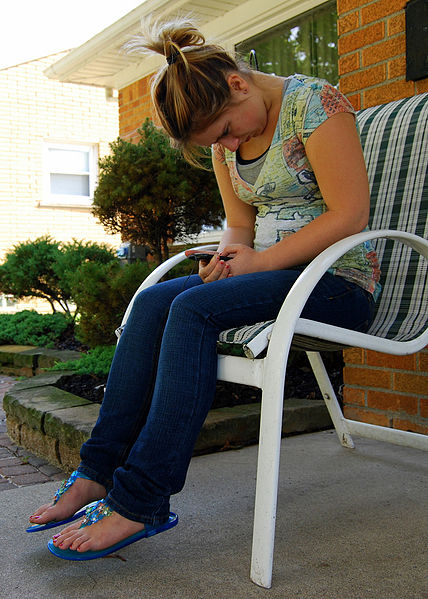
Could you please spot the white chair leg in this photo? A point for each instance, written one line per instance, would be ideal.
(266, 487)
(330, 399)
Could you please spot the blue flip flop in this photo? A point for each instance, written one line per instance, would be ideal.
(65, 485)
(96, 513)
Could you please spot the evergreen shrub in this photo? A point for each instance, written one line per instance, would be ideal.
(42, 268)
(103, 292)
(96, 362)
(31, 328)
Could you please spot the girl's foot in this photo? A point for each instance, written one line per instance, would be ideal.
(79, 494)
(100, 535)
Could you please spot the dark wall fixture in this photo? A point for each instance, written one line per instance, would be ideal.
(416, 39)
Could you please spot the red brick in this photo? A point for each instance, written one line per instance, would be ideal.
(363, 79)
(411, 383)
(349, 22)
(422, 86)
(355, 100)
(384, 50)
(397, 67)
(388, 92)
(380, 9)
(354, 355)
(347, 5)
(423, 356)
(423, 408)
(354, 396)
(389, 361)
(367, 377)
(396, 24)
(366, 416)
(392, 401)
(144, 86)
(349, 63)
(361, 38)
(410, 425)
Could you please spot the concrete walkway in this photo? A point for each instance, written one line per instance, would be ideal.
(351, 524)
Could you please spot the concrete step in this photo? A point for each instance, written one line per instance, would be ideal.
(54, 423)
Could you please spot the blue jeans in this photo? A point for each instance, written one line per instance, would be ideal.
(163, 377)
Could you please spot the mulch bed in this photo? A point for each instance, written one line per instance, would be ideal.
(300, 383)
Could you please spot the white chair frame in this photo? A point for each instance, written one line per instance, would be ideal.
(269, 373)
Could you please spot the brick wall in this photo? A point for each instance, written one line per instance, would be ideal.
(35, 110)
(380, 389)
(387, 390)
(134, 106)
(372, 52)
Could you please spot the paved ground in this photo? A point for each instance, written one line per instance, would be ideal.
(351, 524)
(19, 467)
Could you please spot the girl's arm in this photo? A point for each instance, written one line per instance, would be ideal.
(240, 218)
(334, 151)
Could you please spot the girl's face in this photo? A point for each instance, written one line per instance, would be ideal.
(244, 118)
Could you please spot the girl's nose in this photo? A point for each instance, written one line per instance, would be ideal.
(231, 143)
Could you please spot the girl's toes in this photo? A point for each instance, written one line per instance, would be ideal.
(73, 527)
(39, 516)
(82, 543)
(64, 540)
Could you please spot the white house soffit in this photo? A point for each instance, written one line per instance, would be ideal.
(100, 61)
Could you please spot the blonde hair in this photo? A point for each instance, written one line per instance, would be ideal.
(191, 89)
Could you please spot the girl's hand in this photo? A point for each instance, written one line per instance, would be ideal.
(213, 270)
(244, 259)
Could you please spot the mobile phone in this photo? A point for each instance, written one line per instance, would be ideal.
(205, 255)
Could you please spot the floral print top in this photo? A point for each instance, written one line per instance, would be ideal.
(286, 193)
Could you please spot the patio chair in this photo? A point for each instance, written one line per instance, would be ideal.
(394, 138)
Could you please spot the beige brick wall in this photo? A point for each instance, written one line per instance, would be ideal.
(35, 110)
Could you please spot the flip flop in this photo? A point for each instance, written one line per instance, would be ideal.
(65, 485)
(94, 514)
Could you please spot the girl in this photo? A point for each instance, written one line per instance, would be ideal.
(290, 169)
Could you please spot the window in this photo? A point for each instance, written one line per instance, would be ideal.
(306, 44)
(7, 303)
(70, 173)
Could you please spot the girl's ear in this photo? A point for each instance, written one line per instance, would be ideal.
(237, 84)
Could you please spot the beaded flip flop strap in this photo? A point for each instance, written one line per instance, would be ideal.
(66, 484)
(95, 513)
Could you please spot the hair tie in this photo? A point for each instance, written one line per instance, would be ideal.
(172, 57)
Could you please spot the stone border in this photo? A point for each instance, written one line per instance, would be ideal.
(28, 360)
(53, 423)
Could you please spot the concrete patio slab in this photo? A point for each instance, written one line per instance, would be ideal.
(351, 524)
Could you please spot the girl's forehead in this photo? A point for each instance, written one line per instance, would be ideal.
(211, 133)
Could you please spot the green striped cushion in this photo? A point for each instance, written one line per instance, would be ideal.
(394, 137)
(248, 341)
(395, 143)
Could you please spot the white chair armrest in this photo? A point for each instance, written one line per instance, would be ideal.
(286, 322)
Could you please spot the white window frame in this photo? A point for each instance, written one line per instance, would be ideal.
(69, 200)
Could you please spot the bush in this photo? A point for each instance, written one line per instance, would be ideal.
(103, 292)
(96, 362)
(42, 268)
(31, 328)
(149, 194)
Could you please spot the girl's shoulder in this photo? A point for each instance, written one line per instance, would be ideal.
(308, 101)
(304, 86)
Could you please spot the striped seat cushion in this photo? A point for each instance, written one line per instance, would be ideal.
(394, 137)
